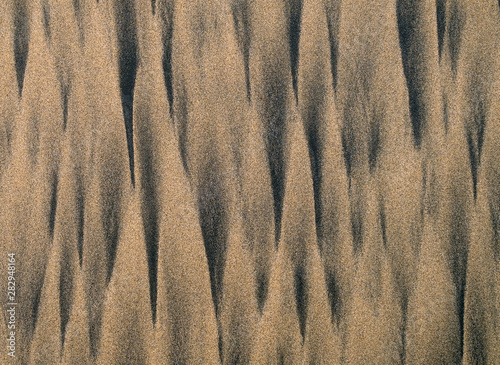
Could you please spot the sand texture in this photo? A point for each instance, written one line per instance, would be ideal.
(258, 182)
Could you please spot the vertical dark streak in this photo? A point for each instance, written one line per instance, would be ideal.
(301, 298)
(127, 63)
(295, 21)
(21, 40)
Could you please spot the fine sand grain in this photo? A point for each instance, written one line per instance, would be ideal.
(250, 182)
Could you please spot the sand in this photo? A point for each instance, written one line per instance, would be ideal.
(250, 181)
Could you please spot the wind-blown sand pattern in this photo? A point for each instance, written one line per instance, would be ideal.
(250, 181)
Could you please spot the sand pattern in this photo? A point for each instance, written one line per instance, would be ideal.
(250, 182)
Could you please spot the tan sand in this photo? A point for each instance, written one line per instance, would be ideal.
(251, 181)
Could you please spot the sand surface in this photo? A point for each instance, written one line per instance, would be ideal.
(250, 181)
